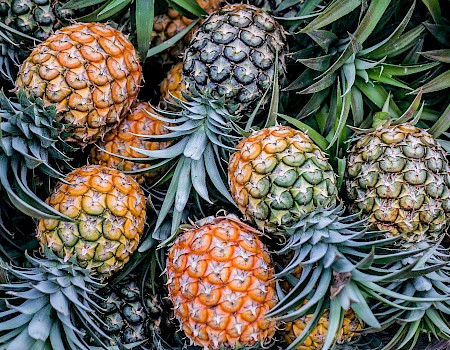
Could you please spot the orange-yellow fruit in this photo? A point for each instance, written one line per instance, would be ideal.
(173, 85)
(108, 209)
(139, 120)
(220, 282)
(90, 72)
(317, 337)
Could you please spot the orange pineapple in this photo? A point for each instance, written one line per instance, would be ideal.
(220, 282)
(139, 120)
(90, 72)
(173, 85)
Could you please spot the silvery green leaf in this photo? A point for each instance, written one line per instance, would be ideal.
(40, 325)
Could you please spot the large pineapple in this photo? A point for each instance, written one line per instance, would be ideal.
(234, 54)
(121, 141)
(90, 72)
(220, 282)
(398, 177)
(277, 175)
(108, 211)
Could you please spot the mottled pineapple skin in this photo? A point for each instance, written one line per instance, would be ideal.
(233, 55)
(90, 72)
(220, 282)
(109, 210)
(399, 178)
(172, 85)
(139, 121)
(277, 175)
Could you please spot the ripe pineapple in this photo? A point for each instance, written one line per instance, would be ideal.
(173, 85)
(315, 340)
(220, 283)
(398, 177)
(169, 24)
(277, 175)
(139, 120)
(108, 209)
(233, 55)
(90, 72)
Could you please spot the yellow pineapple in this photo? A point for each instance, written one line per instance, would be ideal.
(108, 209)
(220, 282)
(316, 338)
(90, 72)
(173, 85)
(140, 120)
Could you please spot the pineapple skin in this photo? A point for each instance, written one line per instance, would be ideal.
(109, 208)
(90, 72)
(232, 55)
(120, 140)
(220, 282)
(172, 85)
(277, 175)
(399, 178)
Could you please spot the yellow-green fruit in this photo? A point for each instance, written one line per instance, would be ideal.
(220, 279)
(316, 339)
(90, 72)
(109, 211)
(399, 178)
(140, 120)
(277, 175)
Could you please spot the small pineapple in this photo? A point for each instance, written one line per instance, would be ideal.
(90, 72)
(108, 209)
(233, 55)
(172, 85)
(398, 176)
(119, 141)
(277, 175)
(167, 25)
(220, 282)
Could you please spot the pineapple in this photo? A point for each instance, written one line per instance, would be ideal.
(398, 177)
(172, 85)
(90, 72)
(167, 25)
(132, 315)
(234, 54)
(121, 141)
(220, 282)
(107, 209)
(277, 175)
(316, 338)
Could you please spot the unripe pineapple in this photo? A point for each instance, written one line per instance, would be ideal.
(131, 314)
(220, 282)
(398, 176)
(316, 339)
(233, 55)
(90, 72)
(139, 120)
(277, 175)
(173, 85)
(108, 209)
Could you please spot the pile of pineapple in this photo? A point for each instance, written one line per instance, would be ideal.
(258, 174)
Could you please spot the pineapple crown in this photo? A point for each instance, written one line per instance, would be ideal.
(44, 301)
(30, 139)
(431, 283)
(342, 260)
(202, 131)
